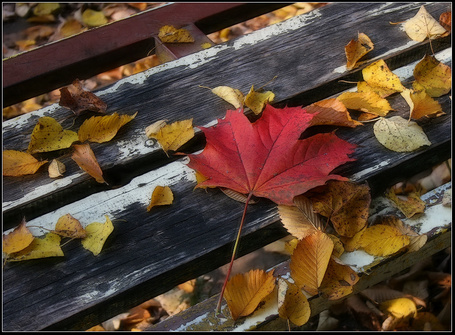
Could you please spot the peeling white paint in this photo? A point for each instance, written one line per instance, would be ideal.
(437, 216)
(24, 119)
(357, 259)
(137, 145)
(197, 320)
(362, 173)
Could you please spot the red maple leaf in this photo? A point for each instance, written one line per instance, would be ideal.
(266, 158)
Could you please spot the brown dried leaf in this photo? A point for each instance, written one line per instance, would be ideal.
(78, 100)
(331, 112)
(338, 280)
(68, 226)
(356, 49)
(85, 158)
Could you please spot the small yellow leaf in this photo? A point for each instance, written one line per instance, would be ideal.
(17, 163)
(256, 101)
(229, 94)
(97, 234)
(161, 196)
(68, 226)
(368, 102)
(45, 8)
(409, 205)
(170, 34)
(173, 136)
(93, 18)
(292, 303)
(71, 27)
(399, 135)
(380, 78)
(338, 248)
(85, 158)
(434, 76)
(421, 104)
(18, 239)
(206, 45)
(244, 292)
(352, 243)
(399, 308)
(309, 261)
(56, 169)
(338, 280)
(423, 25)
(48, 135)
(49, 246)
(356, 49)
(383, 240)
(103, 128)
(331, 112)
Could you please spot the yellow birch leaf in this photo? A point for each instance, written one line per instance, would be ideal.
(331, 112)
(161, 196)
(229, 94)
(97, 234)
(206, 45)
(17, 163)
(45, 8)
(48, 135)
(338, 248)
(309, 261)
(352, 243)
(378, 75)
(68, 226)
(399, 308)
(56, 169)
(93, 18)
(434, 76)
(399, 135)
(173, 136)
(70, 27)
(170, 34)
(290, 245)
(339, 280)
(423, 25)
(103, 128)
(421, 104)
(368, 102)
(85, 158)
(18, 239)
(383, 240)
(24, 45)
(356, 49)
(244, 292)
(256, 101)
(292, 303)
(49, 246)
(409, 205)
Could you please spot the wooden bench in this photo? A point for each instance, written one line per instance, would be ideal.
(149, 253)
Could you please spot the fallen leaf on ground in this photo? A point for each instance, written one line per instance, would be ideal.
(257, 100)
(103, 128)
(93, 18)
(56, 169)
(48, 135)
(352, 243)
(162, 195)
(85, 158)
(70, 27)
(423, 25)
(356, 49)
(170, 34)
(421, 104)
(97, 234)
(383, 240)
(18, 239)
(49, 246)
(74, 97)
(18, 163)
(368, 102)
(244, 292)
(399, 135)
(434, 76)
(229, 94)
(399, 308)
(171, 136)
(45, 8)
(68, 226)
(445, 20)
(409, 205)
(331, 112)
(380, 79)
(292, 303)
(339, 280)
(310, 260)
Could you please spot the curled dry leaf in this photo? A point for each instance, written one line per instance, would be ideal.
(229, 94)
(409, 205)
(257, 100)
(356, 49)
(162, 195)
(399, 135)
(74, 97)
(421, 104)
(68, 226)
(292, 303)
(423, 25)
(244, 292)
(18, 239)
(48, 135)
(17, 163)
(368, 102)
(97, 234)
(445, 20)
(310, 260)
(171, 136)
(434, 76)
(103, 128)
(383, 240)
(339, 280)
(49, 246)
(331, 112)
(85, 158)
(170, 34)
(56, 169)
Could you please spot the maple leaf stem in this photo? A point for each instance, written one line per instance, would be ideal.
(218, 306)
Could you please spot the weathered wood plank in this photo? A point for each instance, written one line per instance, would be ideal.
(171, 92)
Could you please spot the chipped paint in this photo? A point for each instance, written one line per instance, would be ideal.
(197, 320)
(357, 259)
(361, 174)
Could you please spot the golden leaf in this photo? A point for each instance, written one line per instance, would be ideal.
(45, 8)
(399, 308)
(421, 104)
(368, 102)
(292, 303)
(409, 205)
(331, 112)
(399, 135)
(18, 239)
(17, 163)
(338, 280)
(352, 243)
(356, 49)
(423, 25)
(338, 248)
(170, 34)
(309, 261)
(381, 80)
(231, 95)
(56, 169)
(434, 76)
(256, 101)
(93, 18)
(71, 27)
(244, 292)
(173, 136)
(85, 158)
(103, 128)
(48, 135)
(161, 196)
(383, 240)
(97, 234)
(49, 246)
(68, 226)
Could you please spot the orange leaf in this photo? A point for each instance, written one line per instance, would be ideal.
(331, 112)
(292, 303)
(68, 226)
(421, 104)
(356, 49)
(85, 158)
(338, 280)
(445, 20)
(244, 292)
(309, 261)
(161, 196)
(170, 34)
(78, 100)
(409, 205)
(18, 239)
(17, 163)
